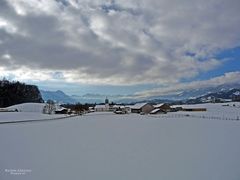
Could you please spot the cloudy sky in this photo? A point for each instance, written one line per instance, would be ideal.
(120, 46)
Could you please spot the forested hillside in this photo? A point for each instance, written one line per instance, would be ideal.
(16, 92)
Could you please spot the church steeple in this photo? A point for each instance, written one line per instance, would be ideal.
(106, 101)
(107, 104)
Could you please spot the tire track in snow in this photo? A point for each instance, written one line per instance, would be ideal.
(35, 120)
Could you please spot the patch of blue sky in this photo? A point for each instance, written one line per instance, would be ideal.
(230, 62)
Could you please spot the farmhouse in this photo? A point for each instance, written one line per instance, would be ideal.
(194, 109)
(62, 110)
(163, 107)
(114, 107)
(120, 110)
(236, 96)
(142, 108)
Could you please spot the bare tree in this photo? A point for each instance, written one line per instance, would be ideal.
(50, 107)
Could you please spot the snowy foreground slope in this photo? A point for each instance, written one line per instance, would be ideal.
(26, 111)
(121, 147)
(22, 116)
(28, 107)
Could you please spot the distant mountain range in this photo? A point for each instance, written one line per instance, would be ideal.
(61, 97)
(58, 96)
(194, 93)
(223, 91)
(220, 96)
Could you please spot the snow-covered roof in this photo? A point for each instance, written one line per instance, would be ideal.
(154, 111)
(100, 106)
(119, 106)
(138, 105)
(158, 105)
(60, 108)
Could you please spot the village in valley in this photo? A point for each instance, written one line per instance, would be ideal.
(18, 98)
(52, 110)
(50, 107)
(140, 108)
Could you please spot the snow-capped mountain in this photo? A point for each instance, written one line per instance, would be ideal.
(195, 93)
(58, 96)
(221, 96)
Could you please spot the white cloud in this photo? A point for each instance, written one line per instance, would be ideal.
(24, 7)
(26, 74)
(6, 56)
(119, 42)
(7, 26)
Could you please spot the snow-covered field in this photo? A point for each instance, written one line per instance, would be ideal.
(105, 146)
(221, 110)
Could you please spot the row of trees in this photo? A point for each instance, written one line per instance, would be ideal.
(50, 107)
(78, 107)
